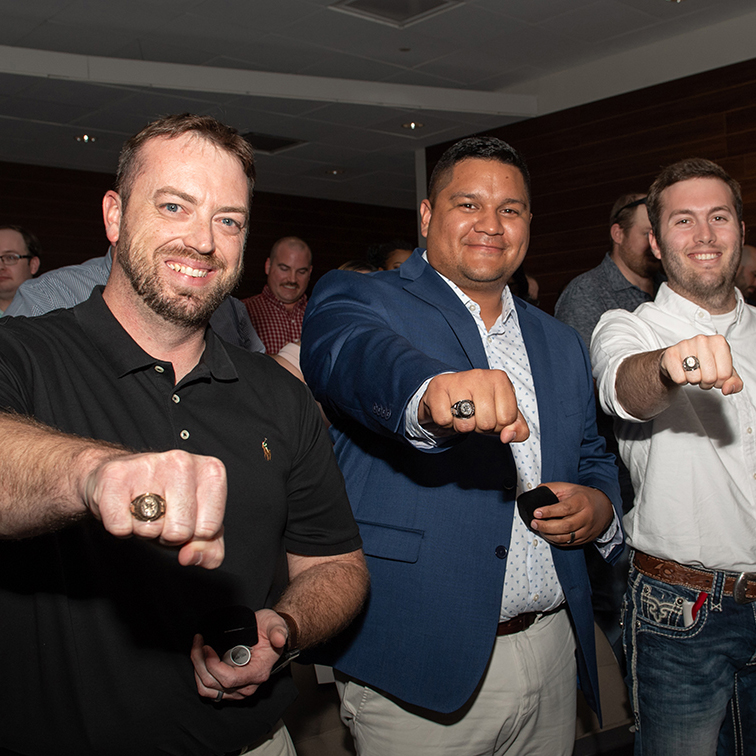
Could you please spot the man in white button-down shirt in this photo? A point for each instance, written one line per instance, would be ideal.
(680, 374)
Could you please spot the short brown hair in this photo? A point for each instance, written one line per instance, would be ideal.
(625, 208)
(172, 126)
(684, 170)
(33, 247)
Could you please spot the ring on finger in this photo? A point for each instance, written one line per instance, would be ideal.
(148, 507)
(572, 538)
(219, 697)
(691, 363)
(464, 409)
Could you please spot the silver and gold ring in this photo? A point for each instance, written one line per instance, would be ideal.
(464, 409)
(148, 507)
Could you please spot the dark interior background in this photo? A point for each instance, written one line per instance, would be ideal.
(581, 159)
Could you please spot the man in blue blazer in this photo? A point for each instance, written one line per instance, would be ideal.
(448, 399)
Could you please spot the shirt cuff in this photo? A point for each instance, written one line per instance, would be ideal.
(415, 433)
(610, 538)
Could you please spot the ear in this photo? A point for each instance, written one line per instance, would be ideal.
(34, 265)
(618, 235)
(742, 233)
(654, 246)
(426, 211)
(267, 267)
(111, 214)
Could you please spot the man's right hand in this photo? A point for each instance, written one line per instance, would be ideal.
(193, 486)
(492, 394)
(715, 364)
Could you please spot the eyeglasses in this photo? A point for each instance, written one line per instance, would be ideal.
(12, 259)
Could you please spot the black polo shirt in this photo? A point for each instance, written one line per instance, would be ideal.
(95, 632)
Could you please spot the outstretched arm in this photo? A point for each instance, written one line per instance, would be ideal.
(493, 397)
(51, 479)
(645, 382)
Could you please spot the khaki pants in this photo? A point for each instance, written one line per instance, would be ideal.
(525, 704)
(275, 743)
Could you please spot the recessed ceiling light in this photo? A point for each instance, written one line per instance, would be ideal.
(335, 171)
(412, 125)
(85, 138)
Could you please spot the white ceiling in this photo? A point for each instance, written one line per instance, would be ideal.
(342, 84)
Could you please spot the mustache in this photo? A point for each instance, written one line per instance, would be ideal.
(189, 255)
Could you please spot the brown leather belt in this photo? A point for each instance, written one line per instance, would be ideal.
(523, 621)
(516, 624)
(741, 586)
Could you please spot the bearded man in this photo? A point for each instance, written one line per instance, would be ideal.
(139, 447)
(679, 374)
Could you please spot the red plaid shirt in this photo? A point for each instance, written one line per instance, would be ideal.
(275, 325)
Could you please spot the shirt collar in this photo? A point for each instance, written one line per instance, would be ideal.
(126, 356)
(507, 301)
(614, 275)
(675, 303)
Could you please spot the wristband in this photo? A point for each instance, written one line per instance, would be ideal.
(291, 624)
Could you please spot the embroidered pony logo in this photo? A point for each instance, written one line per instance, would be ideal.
(266, 449)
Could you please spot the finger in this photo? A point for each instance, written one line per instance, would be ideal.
(572, 538)
(203, 553)
(117, 483)
(179, 474)
(463, 424)
(278, 636)
(713, 371)
(671, 365)
(551, 511)
(485, 419)
(733, 384)
(207, 684)
(517, 432)
(211, 495)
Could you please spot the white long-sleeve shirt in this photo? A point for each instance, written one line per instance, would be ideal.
(693, 466)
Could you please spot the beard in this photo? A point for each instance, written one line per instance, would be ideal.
(707, 290)
(646, 266)
(191, 308)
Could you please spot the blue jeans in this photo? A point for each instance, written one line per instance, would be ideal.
(692, 689)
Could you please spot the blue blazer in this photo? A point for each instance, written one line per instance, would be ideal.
(436, 525)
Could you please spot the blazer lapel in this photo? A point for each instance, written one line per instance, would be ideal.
(423, 282)
(543, 382)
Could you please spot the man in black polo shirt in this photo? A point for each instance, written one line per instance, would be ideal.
(102, 604)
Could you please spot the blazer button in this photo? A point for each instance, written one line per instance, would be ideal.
(501, 552)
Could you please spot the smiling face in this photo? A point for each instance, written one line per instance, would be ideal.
(700, 242)
(180, 239)
(288, 269)
(478, 227)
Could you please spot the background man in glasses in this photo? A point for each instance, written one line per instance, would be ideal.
(19, 261)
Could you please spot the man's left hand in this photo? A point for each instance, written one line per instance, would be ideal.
(581, 510)
(214, 676)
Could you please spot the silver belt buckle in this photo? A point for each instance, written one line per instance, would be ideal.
(741, 586)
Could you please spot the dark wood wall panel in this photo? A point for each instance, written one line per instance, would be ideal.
(583, 158)
(63, 207)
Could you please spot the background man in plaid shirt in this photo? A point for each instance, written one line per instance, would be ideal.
(278, 311)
